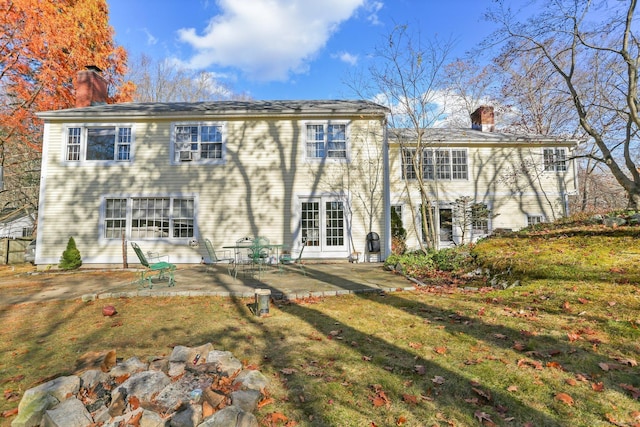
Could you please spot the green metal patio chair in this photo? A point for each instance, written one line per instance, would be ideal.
(213, 258)
(158, 269)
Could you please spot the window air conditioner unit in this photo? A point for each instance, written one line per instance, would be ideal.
(186, 156)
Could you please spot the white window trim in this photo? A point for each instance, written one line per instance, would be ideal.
(536, 215)
(103, 216)
(83, 145)
(172, 143)
(345, 159)
(434, 164)
(554, 167)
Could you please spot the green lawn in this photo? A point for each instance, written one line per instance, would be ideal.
(559, 350)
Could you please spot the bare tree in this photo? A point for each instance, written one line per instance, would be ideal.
(166, 81)
(590, 48)
(467, 86)
(406, 75)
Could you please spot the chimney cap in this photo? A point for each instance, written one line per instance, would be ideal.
(94, 68)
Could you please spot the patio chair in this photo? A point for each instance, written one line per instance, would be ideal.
(213, 258)
(159, 268)
(259, 252)
(288, 259)
(242, 255)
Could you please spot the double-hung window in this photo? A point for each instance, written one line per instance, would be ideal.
(555, 159)
(326, 140)
(443, 164)
(149, 217)
(198, 142)
(99, 143)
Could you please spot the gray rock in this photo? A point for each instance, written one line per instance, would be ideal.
(124, 419)
(180, 353)
(176, 369)
(152, 419)
(231, 416)
(128, 367)
(101, 415)
(91, 378)
(190, 417)
(247, 400)
(614, 221)
(143, 385)
(69, 413)
(226, 363)
(178, 393)
(31, 411)
(37, 400)
(251, 380)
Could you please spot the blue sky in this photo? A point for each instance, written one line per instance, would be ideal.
(285, 49)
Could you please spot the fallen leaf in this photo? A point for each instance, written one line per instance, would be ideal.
(512, 388)
(566, 306)
(9, 413)
(13, 379)
(518, 346)
(276, 417)
(420, 369)
(415, 345)
(483, 393)
(288, 371)
(612, 303)
(366, 358)
(583, 300)
(573, 337)
(571, 381)
(597, 386)
(483, 417)
(410, 398)
(264, 402)
(635, 392)
(438, 380)
(500, 336)
(440, 350)
(401, 420)
(134, 402)
(555, 365)
(564, 398)
(630, 362)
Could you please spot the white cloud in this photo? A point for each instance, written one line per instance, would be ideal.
(267, 39)
(347, 58)
(372, 8)
(151, 40)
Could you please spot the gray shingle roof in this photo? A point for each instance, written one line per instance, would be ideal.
(466, 136)
(221, 108)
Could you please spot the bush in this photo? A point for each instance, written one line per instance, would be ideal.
(418, 263)
(70, 259)
(452, 259)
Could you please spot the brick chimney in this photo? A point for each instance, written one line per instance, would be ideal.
(91, 87)
(482, 119)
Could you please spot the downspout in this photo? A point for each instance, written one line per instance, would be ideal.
(386, 192)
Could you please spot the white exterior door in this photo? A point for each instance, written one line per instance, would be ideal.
(323, 227)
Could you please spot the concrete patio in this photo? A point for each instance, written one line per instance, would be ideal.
(321, 279)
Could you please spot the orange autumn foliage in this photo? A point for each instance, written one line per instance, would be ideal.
(43, 44)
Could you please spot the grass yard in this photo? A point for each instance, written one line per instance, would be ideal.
(559, 350)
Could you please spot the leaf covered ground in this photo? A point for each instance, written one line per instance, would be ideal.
(561, 349)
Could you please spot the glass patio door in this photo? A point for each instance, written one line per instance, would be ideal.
(322, 224)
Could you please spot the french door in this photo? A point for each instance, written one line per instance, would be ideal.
(323, 226)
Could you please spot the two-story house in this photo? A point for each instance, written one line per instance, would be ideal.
(168, 175)
(514, 180)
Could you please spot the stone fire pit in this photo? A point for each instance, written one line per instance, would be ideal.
(194, 386)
